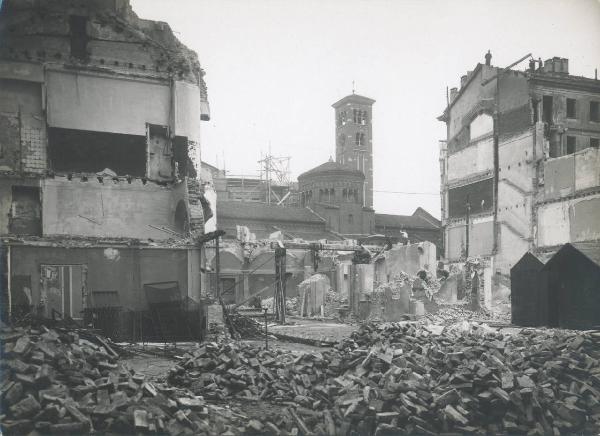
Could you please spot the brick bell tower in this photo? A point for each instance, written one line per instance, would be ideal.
(354, 138)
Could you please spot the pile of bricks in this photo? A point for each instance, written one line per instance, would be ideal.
(57, 381)
(451, 314)
(405, 378)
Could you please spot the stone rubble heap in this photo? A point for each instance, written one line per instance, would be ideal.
(65, 381)
(404, 378)
(454, 313)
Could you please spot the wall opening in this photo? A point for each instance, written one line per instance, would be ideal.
(571, 108)
(182, 222)
(547, 109)
(79, 38)
(595, 111)
(571, 144)
(478, 195)
(25, 211)
(160, 153)
(83, 151)
(184, 164)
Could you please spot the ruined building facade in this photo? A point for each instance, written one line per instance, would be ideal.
(520, 168)
(99, 138)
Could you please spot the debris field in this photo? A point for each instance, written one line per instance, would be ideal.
(394, 378)
(403, 378)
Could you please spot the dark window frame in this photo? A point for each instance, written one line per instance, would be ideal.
(571, 108)
(595, 111)
(571, 144)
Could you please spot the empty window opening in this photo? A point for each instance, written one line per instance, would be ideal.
(595, 111)
(536, 115)
(83, 151)
(182, 222)
(183, 162)
(25, 217)
(571, 108)
(79, 38)
(595, 142)
(160, 153)
(360, 116)
(571, 144)
(360, 139)
(547, 109)
(350, 219)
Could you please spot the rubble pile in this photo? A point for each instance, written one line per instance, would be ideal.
(57, 381)
(454, 313)
(405, 378)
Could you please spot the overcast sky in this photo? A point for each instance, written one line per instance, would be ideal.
(274, 67)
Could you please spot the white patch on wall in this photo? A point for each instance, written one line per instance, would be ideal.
(112, 254)
(211, 195)
(483, 124)
(553, 224)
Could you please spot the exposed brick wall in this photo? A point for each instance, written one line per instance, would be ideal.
(33, 141)
(195, 205)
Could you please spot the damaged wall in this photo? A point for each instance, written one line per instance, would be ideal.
(22, 126)
(565, 175)
(7, 208)
(475, 159)
(109, 209)
(569, 221)
(410, 259)
(481, 239)
(124, 270)
(106, 104)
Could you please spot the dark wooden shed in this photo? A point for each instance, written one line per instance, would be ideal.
(529, 290)
(573, 275)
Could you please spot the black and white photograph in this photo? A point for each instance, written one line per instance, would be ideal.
(299, 217)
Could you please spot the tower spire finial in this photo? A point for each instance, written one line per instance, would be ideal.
(353, 87)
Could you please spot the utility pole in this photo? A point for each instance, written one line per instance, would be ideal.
(217, 268)
(496, 118)
(468, 207)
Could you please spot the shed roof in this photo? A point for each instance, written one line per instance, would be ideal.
(588, 249)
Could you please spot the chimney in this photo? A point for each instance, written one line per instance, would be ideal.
(565, 65)
(488, 58)
(463, 80)
(453, 93)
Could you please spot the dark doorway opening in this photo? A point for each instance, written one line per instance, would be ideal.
(25, 211)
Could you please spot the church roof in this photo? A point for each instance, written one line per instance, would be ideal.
(353, 98)
(332, 168)
(414, 221)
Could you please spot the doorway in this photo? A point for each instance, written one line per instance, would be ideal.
(63, 290)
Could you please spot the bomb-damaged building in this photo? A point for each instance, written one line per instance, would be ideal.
(100, 116)
(520, 167)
